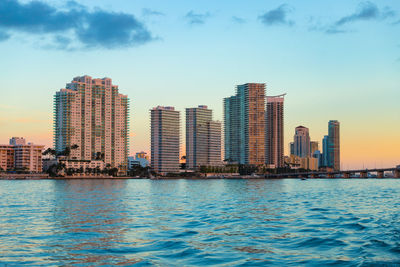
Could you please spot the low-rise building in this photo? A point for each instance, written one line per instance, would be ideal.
(309, 163)
(19, 155)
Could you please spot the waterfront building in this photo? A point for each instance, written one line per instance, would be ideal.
(140, 159)
(314, 146)
(274, 142)
(302, 142)
(334, 145)
(92, 114)
(291, 148)
(244, 125)
(203, 138)
(318, 155)
(293, 161)
(19, 155)
(309, 163)
(325, 160)
(165, 139)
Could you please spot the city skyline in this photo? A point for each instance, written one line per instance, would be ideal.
(347, 75)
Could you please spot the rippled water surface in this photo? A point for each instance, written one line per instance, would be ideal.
(200, 222)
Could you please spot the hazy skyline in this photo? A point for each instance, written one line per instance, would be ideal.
(336, 60)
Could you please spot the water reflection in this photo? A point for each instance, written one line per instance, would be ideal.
(200, 222)
(90, 219)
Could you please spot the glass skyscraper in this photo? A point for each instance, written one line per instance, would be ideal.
(244, 125)
(334, 144)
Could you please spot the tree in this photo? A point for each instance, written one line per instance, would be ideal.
(75, 146)
(49, 151)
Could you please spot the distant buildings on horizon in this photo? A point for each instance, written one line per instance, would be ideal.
(91, 121)
(303, 148)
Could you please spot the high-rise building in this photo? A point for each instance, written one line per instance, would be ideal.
(334, 144)
(93, 115)
(291, 148)
(274, 142)
(203, 138)
(302, 142)
(325, 155)
(314, 146)
(165, 140)
(21, 155)
(244, 125)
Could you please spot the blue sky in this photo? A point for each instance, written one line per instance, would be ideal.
(335, 59)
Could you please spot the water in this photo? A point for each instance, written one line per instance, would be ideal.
(200, 222)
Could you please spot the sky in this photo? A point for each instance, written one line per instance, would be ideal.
(335, 59)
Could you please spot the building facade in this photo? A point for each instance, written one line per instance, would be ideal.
(19, 155)
(334, 145)
(140, 159)
(244, 125)
(92, 114)
(274, 141)
(165, 139)
(203, 138)
(302, 142)
(314, 146)
(325, 154)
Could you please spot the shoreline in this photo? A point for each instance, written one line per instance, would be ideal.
(244, 177)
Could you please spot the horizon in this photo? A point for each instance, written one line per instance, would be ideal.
(339, 63)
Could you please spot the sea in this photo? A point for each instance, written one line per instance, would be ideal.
(221, 222)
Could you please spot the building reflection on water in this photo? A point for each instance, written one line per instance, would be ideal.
(92, 217)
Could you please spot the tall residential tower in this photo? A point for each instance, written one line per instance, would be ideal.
(274, 131)
(244, 125)
(203, 138)
(92, 114)
(165, 140)
(334, 144)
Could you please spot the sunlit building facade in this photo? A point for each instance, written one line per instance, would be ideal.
(302, 142)
(19, 155)
(203, 138)
(244, 125)
(92, 114)
(274, 141)
(165, 140)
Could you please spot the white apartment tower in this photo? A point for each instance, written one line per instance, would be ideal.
(203, 138)
(92, 114)
(165, 139)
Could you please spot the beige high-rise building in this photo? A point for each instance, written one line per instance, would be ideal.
(274, 142)
(92, 114)
(165, 140)
(314, 146)
(244, 125)
(203, 138)
(19, 155)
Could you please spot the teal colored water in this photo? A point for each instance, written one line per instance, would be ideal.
(200, 222)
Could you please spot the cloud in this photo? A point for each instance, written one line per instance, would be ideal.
(238, 20)
(366, 11)
(149, 12)
(89, 29)
(4, 36)
(396, 22)
(196, 18)
(276, 16)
